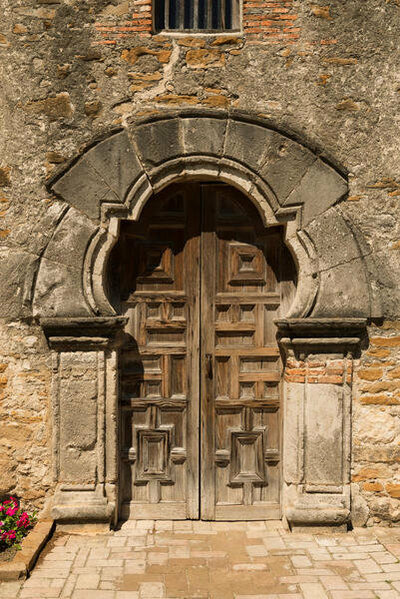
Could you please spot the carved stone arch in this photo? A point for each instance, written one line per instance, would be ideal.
(286, 181)
(290, 184)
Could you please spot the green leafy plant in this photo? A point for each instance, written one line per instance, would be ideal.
(15, 523)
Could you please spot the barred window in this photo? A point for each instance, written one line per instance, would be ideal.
(196, 15)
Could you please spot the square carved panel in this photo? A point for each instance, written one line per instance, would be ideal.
(246, 264)
(157, 264)
(153, 455)
(247, 457)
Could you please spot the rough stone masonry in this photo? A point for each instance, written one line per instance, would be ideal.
(325, 73)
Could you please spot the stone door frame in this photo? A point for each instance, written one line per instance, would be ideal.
(289, 184)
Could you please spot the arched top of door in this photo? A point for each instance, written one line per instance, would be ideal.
(288, 182)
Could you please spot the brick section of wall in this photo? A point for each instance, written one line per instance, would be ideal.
(140, 22)
(312, 371)
(270, 22)
(376, 425)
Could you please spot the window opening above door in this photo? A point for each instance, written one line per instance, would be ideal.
(196, 15)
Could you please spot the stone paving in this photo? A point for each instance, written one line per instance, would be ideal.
(185, 560)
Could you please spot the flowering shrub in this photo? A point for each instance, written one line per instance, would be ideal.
(14, 523)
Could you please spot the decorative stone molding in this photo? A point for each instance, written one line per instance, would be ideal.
(288, 183)
(317, 418)
(85, 415)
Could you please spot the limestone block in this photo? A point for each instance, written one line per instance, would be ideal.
(285, 164)
(82, 505)
(343, 290)
(293, 434)
(103, 174)
(240, 136)
(378, 427)
(70, 240)
(84, 188)
(324, 435)
(359, 507)
(158, 142)
(7, 470)
(333, 240)
(203, 135)
(320, 187)
(116, 162)
(59, 291)
(59, 282)
(202, 59)
(77, 384)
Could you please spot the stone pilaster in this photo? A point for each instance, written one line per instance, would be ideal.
(317, 418)
(85, 418)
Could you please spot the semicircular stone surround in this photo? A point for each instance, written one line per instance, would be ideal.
(287, 181)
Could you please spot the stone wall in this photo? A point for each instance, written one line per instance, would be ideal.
(376, 426)
(25, 429)
(325, 72)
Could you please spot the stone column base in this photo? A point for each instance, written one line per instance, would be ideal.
(84, 505)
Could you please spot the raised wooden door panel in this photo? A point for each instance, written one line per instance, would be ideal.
(241, 296)
(201, 281)
(159, 284)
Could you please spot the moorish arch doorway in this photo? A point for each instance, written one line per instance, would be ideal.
(201, 281)
(173, 455)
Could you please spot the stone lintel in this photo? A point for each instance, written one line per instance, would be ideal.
(80, 333)
(320, 341)
(320, 327)
(321, 335)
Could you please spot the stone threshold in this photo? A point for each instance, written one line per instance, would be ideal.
(24, 560)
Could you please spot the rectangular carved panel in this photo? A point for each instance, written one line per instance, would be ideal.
(324, 444)
(153, 455)
(247, 460)
(78, 389)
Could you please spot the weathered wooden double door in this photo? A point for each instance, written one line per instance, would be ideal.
(201, 281)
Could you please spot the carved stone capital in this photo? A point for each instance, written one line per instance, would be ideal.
(303, 336)
(80, 333)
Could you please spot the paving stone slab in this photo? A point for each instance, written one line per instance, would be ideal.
(196, 560)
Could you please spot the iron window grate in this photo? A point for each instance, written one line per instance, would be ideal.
(196, 15)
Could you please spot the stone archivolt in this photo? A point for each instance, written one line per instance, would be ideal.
(290, 185)
(286, 181)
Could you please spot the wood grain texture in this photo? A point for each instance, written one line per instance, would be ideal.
(202, 282)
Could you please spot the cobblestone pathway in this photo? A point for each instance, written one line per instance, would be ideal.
(185, 560)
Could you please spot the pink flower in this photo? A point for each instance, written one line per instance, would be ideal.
(23, 521)
(11, 535)
(11, 511)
